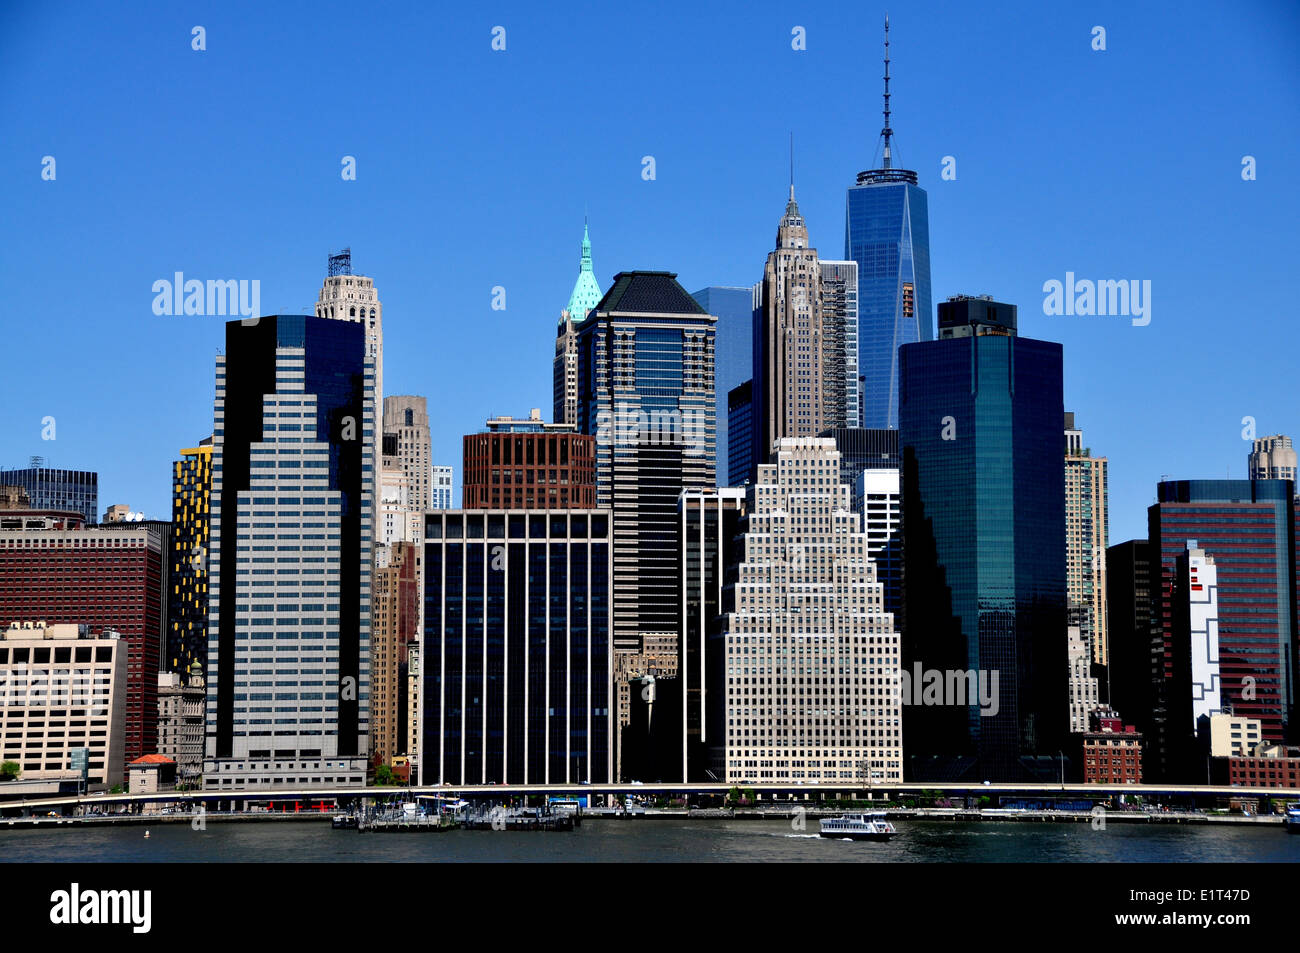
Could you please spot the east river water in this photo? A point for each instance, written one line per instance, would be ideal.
(657, 840)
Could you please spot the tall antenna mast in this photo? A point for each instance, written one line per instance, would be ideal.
(887, 132)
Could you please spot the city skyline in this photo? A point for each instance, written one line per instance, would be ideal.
(1035, 173)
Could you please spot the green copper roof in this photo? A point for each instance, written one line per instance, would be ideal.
(586, 293)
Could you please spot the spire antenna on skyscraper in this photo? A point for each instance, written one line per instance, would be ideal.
(887, 132)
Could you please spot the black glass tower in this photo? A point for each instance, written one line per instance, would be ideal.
(517, 663)
(984, 521)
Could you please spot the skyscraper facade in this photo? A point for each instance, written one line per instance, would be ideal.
(811, 655)
(406, 420)
(887, 232)
(1247, 527)
(984, 563)
(1087, 528)
(710, 548)
(736, 310)
(395, 627)
(49, 488)
(862, 449)
(292, 529)
(645, 359)
(187, 600)
(842, 401)
(741, 438)
(349, 297)
(442, 489)
(585, 296)
(878, 499)
(516, 662)
(1129, 605)
(805, 352)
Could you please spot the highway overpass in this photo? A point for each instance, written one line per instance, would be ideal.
(312, 797)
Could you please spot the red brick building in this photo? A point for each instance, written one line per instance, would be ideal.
(1111, 751)
(528, 464)
(55, 569)
(1270, 767)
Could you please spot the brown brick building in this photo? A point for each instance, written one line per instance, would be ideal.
(1111, 751)
(528, 464)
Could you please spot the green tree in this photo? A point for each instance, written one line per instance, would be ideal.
(383, 776)
(9, 771)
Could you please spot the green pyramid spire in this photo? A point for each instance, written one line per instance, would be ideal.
(586, 292)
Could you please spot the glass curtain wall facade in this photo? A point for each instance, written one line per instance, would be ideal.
(51, 489)
(517, 659)
(887, 232)
(984, 584)
(733, 358)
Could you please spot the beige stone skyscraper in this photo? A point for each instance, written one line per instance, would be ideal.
(405, 493)
(788, 380)
(1272, 458)
(406, 424)
(812, 657)
(348, 297)
(1087, 531)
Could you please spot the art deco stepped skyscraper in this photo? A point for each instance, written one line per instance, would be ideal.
(887, 232)
(811, 655)
(788, 372)
(290, 565)
(584, 297)
(805, 367)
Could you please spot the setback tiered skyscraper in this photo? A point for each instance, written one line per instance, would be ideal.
(887, 232)
(811, 656)
(292, 528)
(984, 582)
(805, 357)
(584, 297)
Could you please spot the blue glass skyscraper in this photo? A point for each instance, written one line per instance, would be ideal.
(984, 588)
(887, 232)
(733, 359)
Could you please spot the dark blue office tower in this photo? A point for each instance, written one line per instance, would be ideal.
(984, 551)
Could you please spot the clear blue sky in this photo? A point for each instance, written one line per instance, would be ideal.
(474, 168)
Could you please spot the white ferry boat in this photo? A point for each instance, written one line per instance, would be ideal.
(858, 826)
